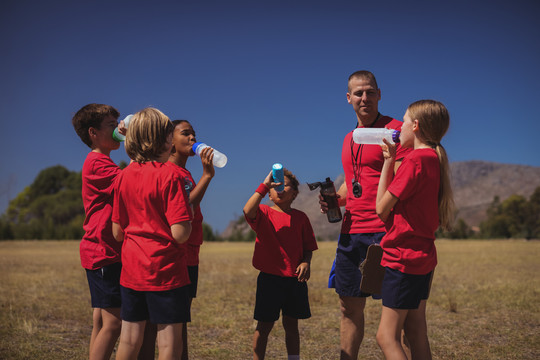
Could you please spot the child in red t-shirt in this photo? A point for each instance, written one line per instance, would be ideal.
(283, 250)
(413, 204)
(151, 215)
(99, 252)
(183, 140)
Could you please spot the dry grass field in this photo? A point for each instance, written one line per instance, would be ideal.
(484, 303)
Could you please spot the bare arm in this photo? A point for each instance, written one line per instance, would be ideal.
(250, 209)
(197, 194)
(385, 200)
(117, 232)
(303, 271)
(181, 231)
(341, 196)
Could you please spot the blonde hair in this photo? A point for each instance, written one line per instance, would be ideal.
(147, 135)
(433, 122)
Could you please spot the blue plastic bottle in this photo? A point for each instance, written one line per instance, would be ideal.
(277, 174)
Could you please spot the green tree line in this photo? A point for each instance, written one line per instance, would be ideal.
(52, 208)
(516, 218)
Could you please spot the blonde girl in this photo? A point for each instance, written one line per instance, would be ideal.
(413, 204)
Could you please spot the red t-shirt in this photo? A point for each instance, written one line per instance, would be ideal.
(98, 247)
(360, 216)
(196, 238)
(409, 245)
(281, 240)
(149, 198)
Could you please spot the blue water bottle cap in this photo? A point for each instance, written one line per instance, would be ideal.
(395, 136)
(195, 146)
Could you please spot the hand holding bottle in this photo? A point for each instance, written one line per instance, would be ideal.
(207, 158)
(119, 134)
(388, 149)
(324, 205)
(270, 182)
(219, 159)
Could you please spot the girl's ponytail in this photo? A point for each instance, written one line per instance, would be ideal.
(446, 198)
(434, 120)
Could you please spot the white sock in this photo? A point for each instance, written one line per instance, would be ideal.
(293, 357)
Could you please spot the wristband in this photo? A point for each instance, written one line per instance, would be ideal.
(262, 189)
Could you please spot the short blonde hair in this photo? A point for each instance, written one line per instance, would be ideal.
(147, 135)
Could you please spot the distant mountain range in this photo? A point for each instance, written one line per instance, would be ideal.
(475, 184)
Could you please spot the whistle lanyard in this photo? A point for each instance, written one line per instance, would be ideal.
(354, 160)
(357, 159)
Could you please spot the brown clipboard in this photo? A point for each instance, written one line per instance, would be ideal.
(372, 271)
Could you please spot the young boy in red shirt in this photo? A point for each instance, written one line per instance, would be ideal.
(283, 250)
(152, 216)
(100, 253)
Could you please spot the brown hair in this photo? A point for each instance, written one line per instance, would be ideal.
(292, 179)
(362, 74)
(147, 135)
(91, 115)
(178, 122)
(433, 122)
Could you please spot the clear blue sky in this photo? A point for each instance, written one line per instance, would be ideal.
(264, 81)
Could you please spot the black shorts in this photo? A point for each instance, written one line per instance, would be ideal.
(160, 307)
(404, 291)
(104, 284)
(351, 251)
(194, 279)
(278, 293)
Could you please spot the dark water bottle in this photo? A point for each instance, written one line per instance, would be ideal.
(328, 192)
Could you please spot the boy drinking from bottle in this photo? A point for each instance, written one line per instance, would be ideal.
(283, 251)
(99, 251)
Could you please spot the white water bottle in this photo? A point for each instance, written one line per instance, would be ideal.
(375, 136)
(220, 160)
(116, 134)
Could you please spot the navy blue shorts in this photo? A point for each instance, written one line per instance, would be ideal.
(194, 278)
(278, 293)
(351, 251)
(404, 291)
(104, 284)
(160, 307)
